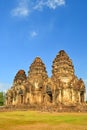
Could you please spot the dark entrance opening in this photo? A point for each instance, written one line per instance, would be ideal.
(21, 99)
(50, 95)
(21, 95)
(82, 96)
(49, 92)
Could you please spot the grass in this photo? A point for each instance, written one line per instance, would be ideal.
(33, 120)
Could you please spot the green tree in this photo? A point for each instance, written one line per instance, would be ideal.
(1, 99)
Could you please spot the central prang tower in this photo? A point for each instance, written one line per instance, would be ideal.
(37, 77)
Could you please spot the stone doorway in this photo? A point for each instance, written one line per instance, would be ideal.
(50, 97)
(49, 93)
(82, 96)
(21, 99)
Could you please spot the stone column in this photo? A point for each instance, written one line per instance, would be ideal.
(73, 95)
(79, 97)
(85, 96)
(60, 95)
(53, 93)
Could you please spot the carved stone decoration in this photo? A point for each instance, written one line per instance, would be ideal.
(37, 76)
(68, 85)
(62, 88)
(37, 70)
(62, 67)
(20, 77)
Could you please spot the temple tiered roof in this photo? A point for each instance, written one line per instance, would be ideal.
(20, 77)
(37, 70)
(62, 66)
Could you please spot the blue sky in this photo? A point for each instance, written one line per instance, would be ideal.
(30, 28)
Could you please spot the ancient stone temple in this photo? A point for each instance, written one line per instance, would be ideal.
(63, 87)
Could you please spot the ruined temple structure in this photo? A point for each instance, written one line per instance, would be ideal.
(63, 87)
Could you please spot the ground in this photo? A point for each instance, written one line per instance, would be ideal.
(34, 120)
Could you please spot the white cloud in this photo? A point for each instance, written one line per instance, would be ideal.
(25, 6)
(39, 5)
(53, 4)
(33, 34)
(22, 9)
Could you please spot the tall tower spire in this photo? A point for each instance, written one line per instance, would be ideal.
(62, 67)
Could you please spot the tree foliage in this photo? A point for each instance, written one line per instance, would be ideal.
(1, 99)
